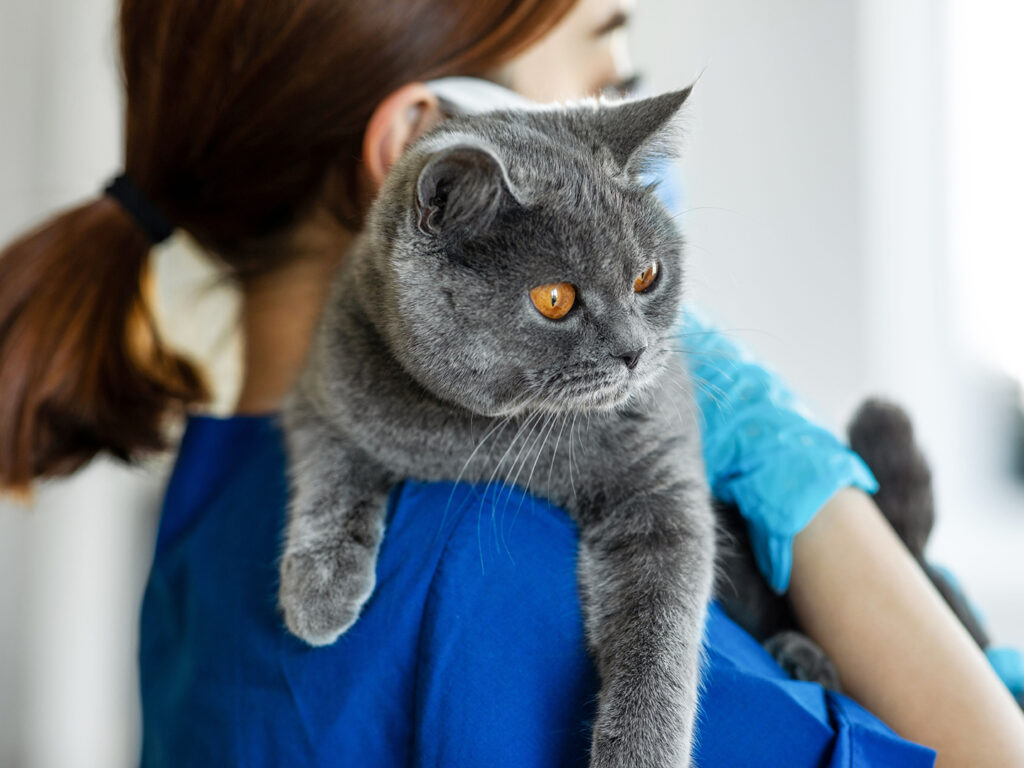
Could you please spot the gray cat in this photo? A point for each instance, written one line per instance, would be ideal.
(515, 279)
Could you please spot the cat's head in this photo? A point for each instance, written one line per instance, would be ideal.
(520, 263)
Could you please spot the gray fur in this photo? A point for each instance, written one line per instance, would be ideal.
(431, 362)
(802, 659)
(882, 434)
(745, 596)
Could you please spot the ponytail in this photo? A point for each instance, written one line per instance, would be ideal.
(82, 367)
(234, 118)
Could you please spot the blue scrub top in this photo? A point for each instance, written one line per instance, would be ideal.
(469, 653)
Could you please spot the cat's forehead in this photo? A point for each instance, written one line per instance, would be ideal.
(581, 205)
(544, 146)
(604, 245)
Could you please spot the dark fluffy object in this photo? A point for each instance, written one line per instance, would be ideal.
(882, 435)
(745, 596)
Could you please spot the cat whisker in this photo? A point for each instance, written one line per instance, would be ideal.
(574, 437)
(554, 452)
(679, 414)
(715, 393)
(674, 343)
(695, 413)
(572, 482)
(526, 458)
(499, 425)
(483, 499)
(701, 354)
(540, 451)
(524, 452)
(545, 433)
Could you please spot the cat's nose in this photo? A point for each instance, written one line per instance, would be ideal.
(631, 358)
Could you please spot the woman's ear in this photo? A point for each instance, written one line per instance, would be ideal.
(404, 116)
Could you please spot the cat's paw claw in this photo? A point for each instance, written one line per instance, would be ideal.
(322, 595)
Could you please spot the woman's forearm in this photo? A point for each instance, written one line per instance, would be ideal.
(899, 650)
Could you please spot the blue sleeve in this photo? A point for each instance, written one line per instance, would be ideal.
(762, 450)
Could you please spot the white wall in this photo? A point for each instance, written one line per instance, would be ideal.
(818, 174)
(986, 165)
(72, 565)
(771, 173)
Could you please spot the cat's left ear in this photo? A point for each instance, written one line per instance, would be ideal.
(459, 191)
(641, 131)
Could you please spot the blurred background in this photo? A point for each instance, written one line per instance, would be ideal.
(853, 192)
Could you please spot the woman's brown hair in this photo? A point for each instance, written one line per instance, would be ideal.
(235, 111)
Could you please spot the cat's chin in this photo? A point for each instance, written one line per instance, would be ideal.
(602, 394)
(592, 403)
(603, 400)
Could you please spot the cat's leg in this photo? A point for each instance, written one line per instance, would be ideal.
(802, 658)
(645, 572)
(335, 526)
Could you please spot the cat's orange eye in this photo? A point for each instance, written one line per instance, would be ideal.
(553, 300)
(646, 279)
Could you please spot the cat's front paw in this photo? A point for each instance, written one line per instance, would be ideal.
(322, 592)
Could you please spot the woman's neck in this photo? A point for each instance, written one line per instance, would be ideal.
(280, 311)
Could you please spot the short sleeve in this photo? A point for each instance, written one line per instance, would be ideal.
(762, 449)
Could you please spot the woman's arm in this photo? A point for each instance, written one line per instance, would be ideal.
(856, 590)
(899, 650)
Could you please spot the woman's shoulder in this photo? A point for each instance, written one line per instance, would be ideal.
(221, 460)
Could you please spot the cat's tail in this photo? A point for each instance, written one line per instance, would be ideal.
(881, 434)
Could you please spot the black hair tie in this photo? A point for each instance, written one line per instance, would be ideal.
(149, 218)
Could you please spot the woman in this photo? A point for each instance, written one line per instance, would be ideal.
(264, 129)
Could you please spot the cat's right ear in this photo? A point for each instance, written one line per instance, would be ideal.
(459, 191)
(640, 131)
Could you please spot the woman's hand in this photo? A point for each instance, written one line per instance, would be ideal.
(899, 650)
